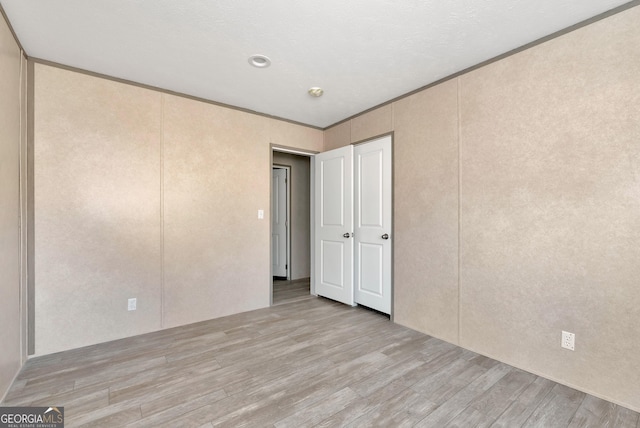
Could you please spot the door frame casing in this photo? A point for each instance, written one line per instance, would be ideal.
(300, 152)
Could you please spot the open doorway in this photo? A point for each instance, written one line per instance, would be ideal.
(291, 258)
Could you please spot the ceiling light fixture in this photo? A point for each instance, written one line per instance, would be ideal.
(259, 61)
(316, 92)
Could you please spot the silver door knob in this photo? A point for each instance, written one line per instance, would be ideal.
(346, 235)
(385, 236)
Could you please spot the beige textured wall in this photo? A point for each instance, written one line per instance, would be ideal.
(426, 211)
(337, 136)
(12, 286)
(550, 203)
(292, 135)
(300, 212)
(368, 125)
(216, 259)
(147, 195)
(546, 146)
(97, 209)
(372, 124)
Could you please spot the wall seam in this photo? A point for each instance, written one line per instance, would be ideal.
(21, 223)
(393, 117)
(30, 194)
(459, 138)
(162, 284)
(324, 141)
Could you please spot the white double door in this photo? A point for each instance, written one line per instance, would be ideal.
(353, 224)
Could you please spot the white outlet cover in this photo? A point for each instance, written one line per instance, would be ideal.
(568, 340)
(261, 214)
(131, 304)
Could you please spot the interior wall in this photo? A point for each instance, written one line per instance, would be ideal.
(147, 195)
(426, 211)
(12, 280)
(338, 136)
(300, 185)
(97, 209)
(550, 198)
(372, 124)
(539, 155)
(215, 247)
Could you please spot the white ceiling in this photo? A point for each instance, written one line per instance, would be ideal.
(361, 52)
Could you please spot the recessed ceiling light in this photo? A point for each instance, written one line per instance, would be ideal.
(259, 61)
(316, 92)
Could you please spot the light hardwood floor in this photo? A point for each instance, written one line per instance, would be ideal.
(308, 363)
(290, 291)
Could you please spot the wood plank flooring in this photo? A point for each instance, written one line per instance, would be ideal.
(308, 363)
(291, 291)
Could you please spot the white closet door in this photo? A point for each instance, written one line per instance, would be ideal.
(334, 224)
(373, 243)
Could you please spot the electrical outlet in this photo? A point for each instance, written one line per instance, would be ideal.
(131, 304)
(568, 340)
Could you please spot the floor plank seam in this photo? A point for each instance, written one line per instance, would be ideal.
(275, 367)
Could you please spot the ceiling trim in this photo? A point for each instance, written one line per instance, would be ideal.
(167, 91)
(614, 11)
(15, 36)
(529, 45)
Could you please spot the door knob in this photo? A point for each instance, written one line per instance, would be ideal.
(385, 236)
(346, 235)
